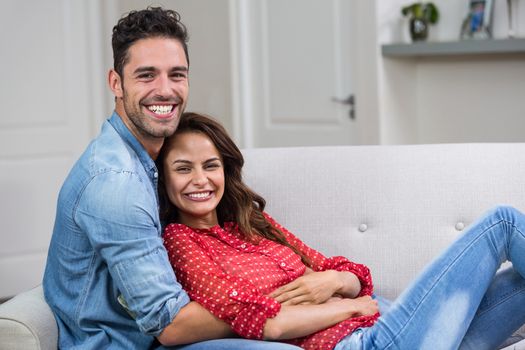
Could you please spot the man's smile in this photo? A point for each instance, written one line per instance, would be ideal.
(161, 109)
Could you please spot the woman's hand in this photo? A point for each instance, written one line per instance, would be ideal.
(311, 288)
(364, 306)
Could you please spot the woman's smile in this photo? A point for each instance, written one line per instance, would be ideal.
(194, 179)
(199, 196)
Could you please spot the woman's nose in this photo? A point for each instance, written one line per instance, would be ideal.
(200, 178)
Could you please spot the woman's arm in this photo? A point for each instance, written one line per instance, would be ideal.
(296, 321)
(194, 323)
(319, 263)
(317, 287)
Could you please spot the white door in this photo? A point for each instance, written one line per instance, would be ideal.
(296, 68)
(47, 107)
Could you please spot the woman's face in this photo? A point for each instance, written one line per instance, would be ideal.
(194, 175)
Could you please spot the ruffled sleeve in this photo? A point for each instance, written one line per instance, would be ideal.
(232, 299)
(321, 263)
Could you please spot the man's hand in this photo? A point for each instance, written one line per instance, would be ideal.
(311, 288)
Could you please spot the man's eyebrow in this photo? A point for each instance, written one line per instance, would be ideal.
(153, 69)
(144, 69)
(179, 69)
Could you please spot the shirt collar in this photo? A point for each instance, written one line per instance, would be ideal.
(132, 141)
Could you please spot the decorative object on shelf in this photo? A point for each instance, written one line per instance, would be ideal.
(478, 23)
(421, 16)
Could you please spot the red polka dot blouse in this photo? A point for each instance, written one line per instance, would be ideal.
(231, 277)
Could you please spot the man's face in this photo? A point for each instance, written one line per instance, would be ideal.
(153, 90)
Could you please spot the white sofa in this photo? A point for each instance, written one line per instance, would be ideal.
(390, 207)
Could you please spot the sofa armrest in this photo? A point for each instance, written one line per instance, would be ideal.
(516, 342)
(27, 322)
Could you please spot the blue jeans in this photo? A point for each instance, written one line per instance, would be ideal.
(233, 344)
(459, 301)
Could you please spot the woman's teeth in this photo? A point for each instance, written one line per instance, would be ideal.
(160, 109)
(199, 195)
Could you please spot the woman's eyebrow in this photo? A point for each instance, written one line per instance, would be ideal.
(212, 159)
(183, 161)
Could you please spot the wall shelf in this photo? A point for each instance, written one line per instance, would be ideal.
(451, 48)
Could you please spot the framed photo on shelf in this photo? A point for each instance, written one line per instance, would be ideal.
(478, 23)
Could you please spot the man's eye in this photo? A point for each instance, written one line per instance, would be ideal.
(179, 75)
(146, 76)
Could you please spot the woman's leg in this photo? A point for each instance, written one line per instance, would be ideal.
(436, 311)
(498, 307)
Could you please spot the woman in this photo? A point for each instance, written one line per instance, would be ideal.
(252, 273)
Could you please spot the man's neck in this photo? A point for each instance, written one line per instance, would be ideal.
(152, 145)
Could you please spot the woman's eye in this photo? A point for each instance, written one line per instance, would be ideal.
(182, 169)
(213, 166)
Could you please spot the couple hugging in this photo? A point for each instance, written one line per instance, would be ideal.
(159, 244)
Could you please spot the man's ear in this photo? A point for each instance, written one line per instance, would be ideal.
(115, 83)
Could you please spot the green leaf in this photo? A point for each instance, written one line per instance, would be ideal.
(411, 9)
(427, 11)
(431, 13)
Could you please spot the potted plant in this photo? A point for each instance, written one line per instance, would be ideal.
(421, 16)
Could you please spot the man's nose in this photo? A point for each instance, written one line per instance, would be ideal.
(164, 86)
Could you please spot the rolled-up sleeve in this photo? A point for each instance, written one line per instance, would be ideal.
(252, 315)
(232, 299)
(122, 225)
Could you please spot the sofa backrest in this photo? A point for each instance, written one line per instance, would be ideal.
(392, 208)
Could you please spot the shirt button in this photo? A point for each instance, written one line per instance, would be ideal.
(283, 264)
(155, 174)
(363, 227)
(234, 293)
(460, 226)
(243, 246)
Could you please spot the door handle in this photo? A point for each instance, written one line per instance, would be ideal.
(350, 101)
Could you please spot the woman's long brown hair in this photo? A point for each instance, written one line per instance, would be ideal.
(239, 203)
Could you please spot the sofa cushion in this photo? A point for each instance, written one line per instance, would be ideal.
(26, 322)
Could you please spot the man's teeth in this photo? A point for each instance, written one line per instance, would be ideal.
(199, 195)
(160, 109)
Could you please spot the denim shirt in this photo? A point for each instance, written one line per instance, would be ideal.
(107, 242)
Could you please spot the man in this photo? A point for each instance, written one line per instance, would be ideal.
(108, 279)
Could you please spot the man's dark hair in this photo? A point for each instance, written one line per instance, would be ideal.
(149, 23)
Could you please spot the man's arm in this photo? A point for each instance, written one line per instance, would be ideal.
(123, 232)
(194, 323)
(296, 321)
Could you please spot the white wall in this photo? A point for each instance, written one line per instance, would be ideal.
(208, 25)
(47, 99)
(402, 100)
(54, 97)
(450, 99)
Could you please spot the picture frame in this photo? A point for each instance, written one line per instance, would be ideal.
(478, 23)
